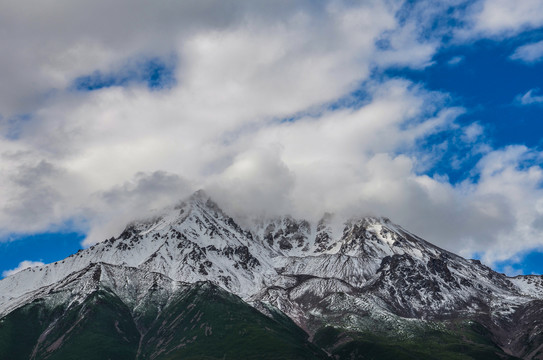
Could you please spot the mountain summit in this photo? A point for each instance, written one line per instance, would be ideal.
(175, 285)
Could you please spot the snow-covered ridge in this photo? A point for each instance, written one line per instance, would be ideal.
(290, 263)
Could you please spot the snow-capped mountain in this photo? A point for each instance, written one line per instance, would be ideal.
(356, 274)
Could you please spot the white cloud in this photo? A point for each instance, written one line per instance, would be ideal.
(513, 176)
(529, 53)
(529, 98)
(511, 271)
(325, 159)
(233, 76)
(472, 133)
(405, 48)
(502, 18)
(22, 265)
(455, 60)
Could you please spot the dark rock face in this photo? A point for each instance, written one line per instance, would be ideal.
(523, 334)
(288, 234)
(401, 272)
(245, 259)
(323, 238)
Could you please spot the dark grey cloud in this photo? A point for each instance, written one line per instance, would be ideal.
(50, 45)
(33, 198)
(148, 188)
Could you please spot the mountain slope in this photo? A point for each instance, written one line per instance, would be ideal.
(464, 340)
(171, 320)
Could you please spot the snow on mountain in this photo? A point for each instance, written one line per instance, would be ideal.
(366, 270)
(529, 285)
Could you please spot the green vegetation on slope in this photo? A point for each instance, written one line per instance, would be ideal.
(203, 321)
(20, 330)
(99, 328)
(462, 341)
(206, 322)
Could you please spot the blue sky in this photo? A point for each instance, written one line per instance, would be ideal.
(155, 73)
(45, 248)
(430, 114)
(487, 82)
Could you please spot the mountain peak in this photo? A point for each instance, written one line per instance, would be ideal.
(199, 196)
(198, 200)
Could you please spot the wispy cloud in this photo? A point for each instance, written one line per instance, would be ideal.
(456, 60)
(529, 53)
(529, 98)
(502, 18)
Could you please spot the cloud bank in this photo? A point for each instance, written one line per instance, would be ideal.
(274, 108)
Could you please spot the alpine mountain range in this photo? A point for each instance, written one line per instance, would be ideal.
(192, 283)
